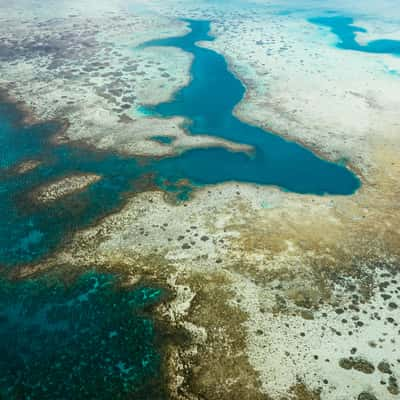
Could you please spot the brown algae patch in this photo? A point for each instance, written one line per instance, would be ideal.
(359, 364)
(301, 392)
(220, 369)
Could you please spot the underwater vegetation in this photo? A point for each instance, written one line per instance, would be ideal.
(89, 339)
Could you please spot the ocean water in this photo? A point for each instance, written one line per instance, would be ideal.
(346, 31)
(91, 338)
(88, 339)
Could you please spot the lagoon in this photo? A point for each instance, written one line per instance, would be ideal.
(30, 232)
(208, 104)
(346, 31)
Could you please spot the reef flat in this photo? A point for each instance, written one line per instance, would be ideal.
(274, 295)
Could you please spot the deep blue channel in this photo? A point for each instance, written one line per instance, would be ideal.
(208, 103)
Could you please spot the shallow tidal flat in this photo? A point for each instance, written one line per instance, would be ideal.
(274, 295)
(100, 77)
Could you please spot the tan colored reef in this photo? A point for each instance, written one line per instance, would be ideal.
(27, 166)
(275, 295)
(63, 187)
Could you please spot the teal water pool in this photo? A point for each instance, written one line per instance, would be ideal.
(163, 139)
(208, 103)
(344, 28)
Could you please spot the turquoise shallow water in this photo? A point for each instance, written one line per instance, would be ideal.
(90, 338)
(346, 31)
(29, 232)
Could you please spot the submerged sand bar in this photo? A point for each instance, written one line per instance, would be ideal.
(64, 187)
(27, 166)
